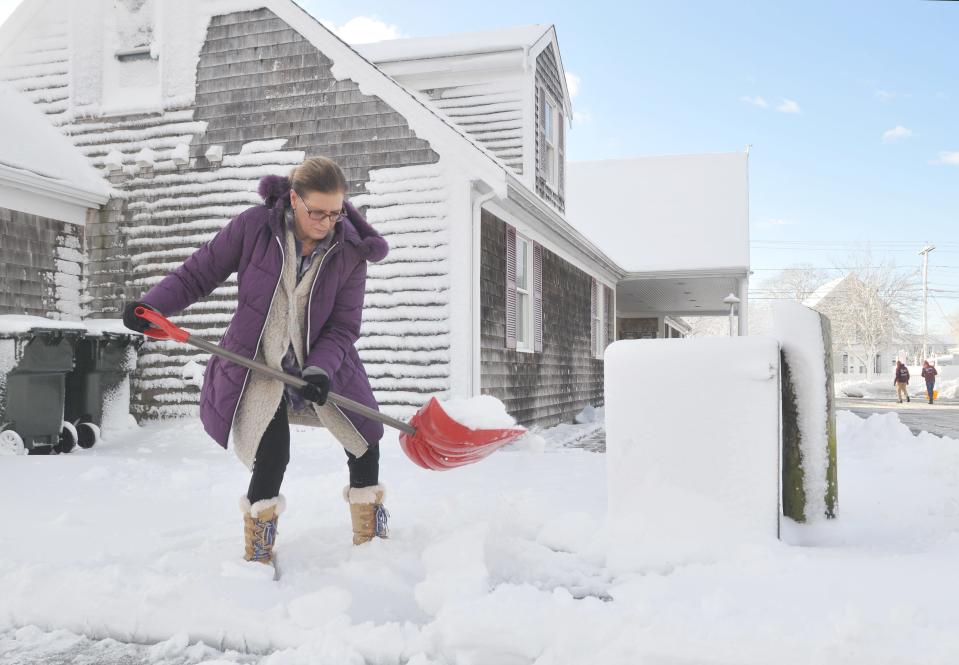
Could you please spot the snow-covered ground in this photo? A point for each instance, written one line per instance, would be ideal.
(497, 563)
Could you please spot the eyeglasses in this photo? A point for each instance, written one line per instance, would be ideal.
(323, 216)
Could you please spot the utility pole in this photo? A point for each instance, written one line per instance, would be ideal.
(925, 300)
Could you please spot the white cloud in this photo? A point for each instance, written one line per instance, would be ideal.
(755, 101)
(948, 157)
(364, 30)
(572, 84)
(897, 133)
(788, 106)
(769, 223)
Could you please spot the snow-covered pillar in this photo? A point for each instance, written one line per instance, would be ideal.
(810, 477)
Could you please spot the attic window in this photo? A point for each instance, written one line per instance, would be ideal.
(551, 122)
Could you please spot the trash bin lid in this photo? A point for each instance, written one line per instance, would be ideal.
(23, 325)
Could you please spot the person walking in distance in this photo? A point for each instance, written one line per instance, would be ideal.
(301, 263)
(901, 381)
(929, 374)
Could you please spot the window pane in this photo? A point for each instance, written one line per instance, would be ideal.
(522, 321)
(522, 271)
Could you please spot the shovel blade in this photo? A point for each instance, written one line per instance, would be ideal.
(441, 443)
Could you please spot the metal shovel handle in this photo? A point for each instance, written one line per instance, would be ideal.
(165, 329)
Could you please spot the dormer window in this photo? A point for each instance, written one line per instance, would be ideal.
(131, 74)
(551, 121)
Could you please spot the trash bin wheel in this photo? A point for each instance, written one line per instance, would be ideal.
(68, 438)
(11, 443)
(88, 434)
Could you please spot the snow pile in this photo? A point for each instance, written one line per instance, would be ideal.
(480, 412)
(685, 488)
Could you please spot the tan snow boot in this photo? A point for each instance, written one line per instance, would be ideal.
(367, 512)
(260, 527)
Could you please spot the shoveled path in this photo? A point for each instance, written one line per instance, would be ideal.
(941, 418)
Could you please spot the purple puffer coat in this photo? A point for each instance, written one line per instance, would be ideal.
(251, 245)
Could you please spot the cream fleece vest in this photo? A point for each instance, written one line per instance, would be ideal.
(285, 325)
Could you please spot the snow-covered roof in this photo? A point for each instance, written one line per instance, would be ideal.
(667, 213)
(34, 155)
(824, 291)
(486, 41)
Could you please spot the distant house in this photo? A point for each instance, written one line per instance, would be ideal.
(832, 299)
(455, 148)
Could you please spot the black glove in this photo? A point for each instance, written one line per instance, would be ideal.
(134, 322)
(317, 385)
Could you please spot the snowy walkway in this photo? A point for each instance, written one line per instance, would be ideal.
(941, 418)
(499, 563)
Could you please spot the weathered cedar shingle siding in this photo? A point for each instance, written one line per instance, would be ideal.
(258, 79)
(548, 79)
(538, 388)
(41, 265)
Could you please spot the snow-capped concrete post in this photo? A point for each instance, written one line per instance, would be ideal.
(692, 443)
(809, 470)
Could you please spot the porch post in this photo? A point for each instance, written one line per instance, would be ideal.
(744, 306)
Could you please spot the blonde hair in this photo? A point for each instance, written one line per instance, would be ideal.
(318, 174)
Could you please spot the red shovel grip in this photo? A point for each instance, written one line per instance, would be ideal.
(162, 328)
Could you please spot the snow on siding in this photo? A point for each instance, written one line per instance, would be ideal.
(491, 113)
(37, 62)
(404, 341)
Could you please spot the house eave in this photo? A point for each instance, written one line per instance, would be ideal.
(54, 189)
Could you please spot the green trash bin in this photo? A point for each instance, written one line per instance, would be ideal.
(100, 379)
(35, 356)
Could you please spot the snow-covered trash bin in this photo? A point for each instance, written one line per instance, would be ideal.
(98, 389)
(810, 474)
(35, 356)
(692, 447)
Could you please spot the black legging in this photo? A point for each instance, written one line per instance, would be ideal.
(273, 455)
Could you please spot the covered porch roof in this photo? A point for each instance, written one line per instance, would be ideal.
(677, 225)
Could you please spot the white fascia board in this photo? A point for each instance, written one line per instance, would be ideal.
(53, 189)
(529, 129)
(511, 60)
(425, 122)
(38, 203)
(549, 37)
(544, 233)
(735, 271)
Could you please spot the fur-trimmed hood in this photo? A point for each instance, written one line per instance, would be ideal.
(372, 246)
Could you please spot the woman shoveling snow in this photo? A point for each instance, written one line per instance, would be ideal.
(301, 262)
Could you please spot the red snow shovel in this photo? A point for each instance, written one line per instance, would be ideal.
(432, 439)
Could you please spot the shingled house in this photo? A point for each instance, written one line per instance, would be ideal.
(454, 147)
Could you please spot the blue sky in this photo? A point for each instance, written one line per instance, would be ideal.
(851, 107)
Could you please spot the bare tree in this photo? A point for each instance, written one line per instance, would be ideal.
(796, 282)
(871, 308)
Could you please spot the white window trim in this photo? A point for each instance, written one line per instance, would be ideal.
(599, 321)
(529, 345)
(552, 160)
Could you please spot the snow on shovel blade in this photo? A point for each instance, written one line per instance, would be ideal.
(442, 443)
